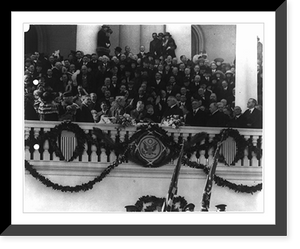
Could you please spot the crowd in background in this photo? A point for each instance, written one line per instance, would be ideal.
(150, 86)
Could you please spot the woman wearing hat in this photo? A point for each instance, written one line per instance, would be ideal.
(169, 45)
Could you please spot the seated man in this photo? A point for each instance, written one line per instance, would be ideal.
(252, 115)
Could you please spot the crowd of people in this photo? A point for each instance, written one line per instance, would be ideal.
(151, 86)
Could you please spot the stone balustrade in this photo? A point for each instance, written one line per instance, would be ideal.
(92, 154)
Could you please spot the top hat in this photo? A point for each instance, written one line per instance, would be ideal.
(118, 49)
(221, 207)
(219, 60)
(131, 208)
(189, 207)
(228, 72)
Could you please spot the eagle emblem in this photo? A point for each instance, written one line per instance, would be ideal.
(150, 148)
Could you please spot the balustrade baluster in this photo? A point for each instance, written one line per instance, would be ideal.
(246, 161)
(103, 156)
(94, 156)
(36, 152)
(255, 161)
(54, 157)
(46, 154)
(85, 156)
(27, 152)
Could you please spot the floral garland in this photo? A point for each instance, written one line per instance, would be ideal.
(82, 187)
(240, 188)
(100, 139)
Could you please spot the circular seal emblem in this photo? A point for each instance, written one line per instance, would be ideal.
(149, 151)
(150, 148)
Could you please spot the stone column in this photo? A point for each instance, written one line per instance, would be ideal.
(130, 35)
(246, 63)
(86, 38)
(182, 34)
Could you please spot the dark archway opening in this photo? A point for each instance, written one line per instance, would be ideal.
(31, 40)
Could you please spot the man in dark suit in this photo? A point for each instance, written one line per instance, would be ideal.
(225, 92)
(142, 54)
(158, 84)
(103, 42)
(196, 117)
(153, 44)
(85, 113)
(173, 109)
(216, 118)
(238, 119)
(84, 79)
(252, 115)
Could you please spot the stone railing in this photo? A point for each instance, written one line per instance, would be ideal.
(67, 142)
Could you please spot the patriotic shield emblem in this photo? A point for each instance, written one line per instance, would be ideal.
(149, 151)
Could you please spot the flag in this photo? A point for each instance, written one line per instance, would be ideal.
(167, 205)
(209, 180)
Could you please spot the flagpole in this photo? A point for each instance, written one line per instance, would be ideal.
(167, 205)
(210, 177)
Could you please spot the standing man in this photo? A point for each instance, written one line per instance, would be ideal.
(173, 108)
(85, 113)
(142, 54)
(196, 117)
(153, 44)
(155, 47)
(103, 42)
(216, 118)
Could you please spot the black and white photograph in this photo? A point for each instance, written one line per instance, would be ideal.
(144, 117)
(148, 123)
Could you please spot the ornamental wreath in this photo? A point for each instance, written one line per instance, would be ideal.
(53, 135)
(241, 144)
